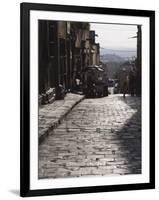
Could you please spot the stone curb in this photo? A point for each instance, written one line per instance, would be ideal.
(57, 122)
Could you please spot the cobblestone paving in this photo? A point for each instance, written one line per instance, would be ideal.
(98, 137)
(51, 115)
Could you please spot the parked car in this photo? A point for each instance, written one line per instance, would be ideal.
(96, 86)
(110, 83)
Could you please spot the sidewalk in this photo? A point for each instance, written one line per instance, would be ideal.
(51, 115)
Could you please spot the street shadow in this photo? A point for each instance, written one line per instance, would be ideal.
(133, 101)
(129, 143)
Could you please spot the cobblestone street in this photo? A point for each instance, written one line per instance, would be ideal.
(99, 136)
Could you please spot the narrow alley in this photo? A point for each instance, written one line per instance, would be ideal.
(100, 136)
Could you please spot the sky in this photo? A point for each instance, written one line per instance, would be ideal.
(114, 36)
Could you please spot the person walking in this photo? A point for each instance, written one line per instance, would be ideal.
(124, 82)
(132, 76)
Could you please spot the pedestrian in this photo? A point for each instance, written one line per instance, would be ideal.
(123, 82)
(132, 77)
(77, 82)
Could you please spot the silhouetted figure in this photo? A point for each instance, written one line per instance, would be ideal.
(132, 78)
(123, 82)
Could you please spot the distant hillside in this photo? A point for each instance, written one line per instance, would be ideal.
(114, 64)
(124, 53)
(106, 58)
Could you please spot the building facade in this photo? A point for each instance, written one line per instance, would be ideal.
(65, 49)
